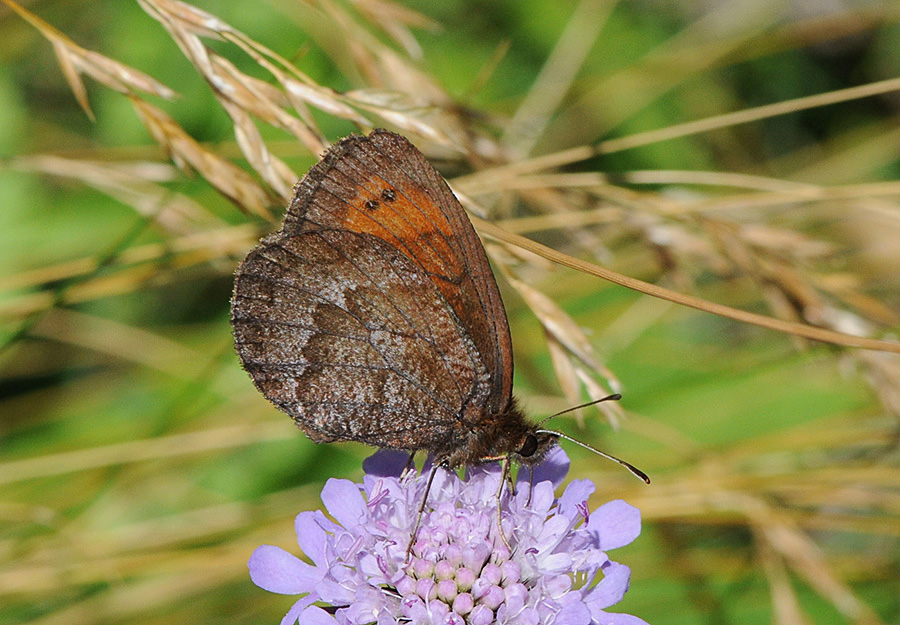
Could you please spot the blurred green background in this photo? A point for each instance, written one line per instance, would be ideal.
(139, 468)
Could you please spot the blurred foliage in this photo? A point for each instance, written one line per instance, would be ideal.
(139, 468)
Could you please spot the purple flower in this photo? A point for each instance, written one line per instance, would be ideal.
(460, 570)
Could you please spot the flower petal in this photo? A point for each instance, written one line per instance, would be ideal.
(611, 588)
(554, 563)
(294, 613)
(553, 531)
(542, 497)
(311, 537)
(553, 467)
(386, 463)
(611, 618)
(576, 492)
(326, 524)
(344, 502)
(615, 523)
(276, 570)
(574, 614)
(556, 586)
(314, 615)
(482, 480)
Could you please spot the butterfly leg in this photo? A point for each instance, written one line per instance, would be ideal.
(504, 475)
(412, 539)
(530, 483)
(410, 465)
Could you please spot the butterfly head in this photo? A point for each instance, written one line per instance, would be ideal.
(538, 441)
(507, 434)
(534, 447)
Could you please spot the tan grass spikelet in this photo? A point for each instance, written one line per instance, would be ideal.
(135, 184)
(232, 181)
(575, 360)
(75, 61)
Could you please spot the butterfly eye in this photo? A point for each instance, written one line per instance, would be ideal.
(529, 446)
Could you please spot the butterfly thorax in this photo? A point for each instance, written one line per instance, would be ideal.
(507, 434)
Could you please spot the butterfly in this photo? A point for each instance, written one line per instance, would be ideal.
(372, 314)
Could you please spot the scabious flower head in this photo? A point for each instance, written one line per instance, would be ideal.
(460, 570)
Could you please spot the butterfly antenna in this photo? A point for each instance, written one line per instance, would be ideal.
(634, 470)
(613, 397)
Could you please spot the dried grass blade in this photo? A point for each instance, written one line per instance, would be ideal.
(132, 184)
(568, 344)
(272, 169)
(229, 179)
(797, 329)
(73, 77)
(75, 60)
(241, 95)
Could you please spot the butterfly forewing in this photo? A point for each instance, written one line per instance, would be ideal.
(472, 292)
